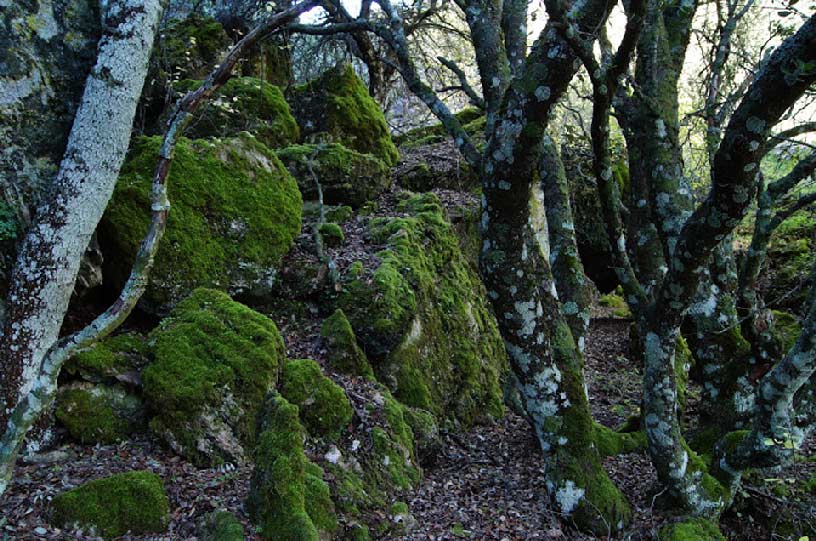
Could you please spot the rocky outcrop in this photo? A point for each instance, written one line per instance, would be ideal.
(421, 315)
(214, 360)
(346, 176)
(336, 107)
(235, 211)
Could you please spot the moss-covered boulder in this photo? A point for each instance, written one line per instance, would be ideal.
(288, 499)
(132, 502)
(221, 526)
(422, 317)
(367, 471)
(337, 107)
(115, 359)
(343, 352)
(187, 48)
(214, 362)
(323, 405)
(244, 104)
(345, 175)
(99, 413)
(235, 211)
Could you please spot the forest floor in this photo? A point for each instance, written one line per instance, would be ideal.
(485, 485)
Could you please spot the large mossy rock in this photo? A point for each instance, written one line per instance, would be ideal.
(343, 352)
(132, 502)
(345, 175)
(235, 212)
(337, 106)
(422, 316)
(288, 498)
(245, 104)
(214, 362)
(99, 413)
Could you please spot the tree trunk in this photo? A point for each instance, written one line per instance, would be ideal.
(48, 260)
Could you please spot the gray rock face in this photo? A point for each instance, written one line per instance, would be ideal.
(47, 48)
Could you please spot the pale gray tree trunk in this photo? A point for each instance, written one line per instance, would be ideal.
(49, 257)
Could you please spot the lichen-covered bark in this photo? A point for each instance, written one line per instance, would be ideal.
(47, 48)
(774, 435)
(49, 258)
(574, 289)
(543, 353)
(733, 181)
(660, 198)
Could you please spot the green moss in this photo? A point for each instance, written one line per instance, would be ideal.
(422, 317)
(346, 176)
(286, 498)
(435, 133)
(331, 233)
(132, 502)
(222, 526)
(338, 104)
(324, 407)
(212, 355)
(8, 222)
(235, 212)
(786, 329)
(109, 358)
(244, 104)
(610, 442)
(339, 214)
(190, 48)
(344, 355)
(694, 529)
(616, 302)
(99, 414)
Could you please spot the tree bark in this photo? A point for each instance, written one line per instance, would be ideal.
(48, 261)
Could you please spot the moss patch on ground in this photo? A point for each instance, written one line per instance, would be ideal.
(337, 107)
(127, 502)
(215, 360)
(423, 319)
(346, 176)
(235, 212)
(695, 529)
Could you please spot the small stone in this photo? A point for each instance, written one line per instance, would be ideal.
(39, 530)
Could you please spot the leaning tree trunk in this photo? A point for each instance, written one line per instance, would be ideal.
(541, 348)
(49, 257)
